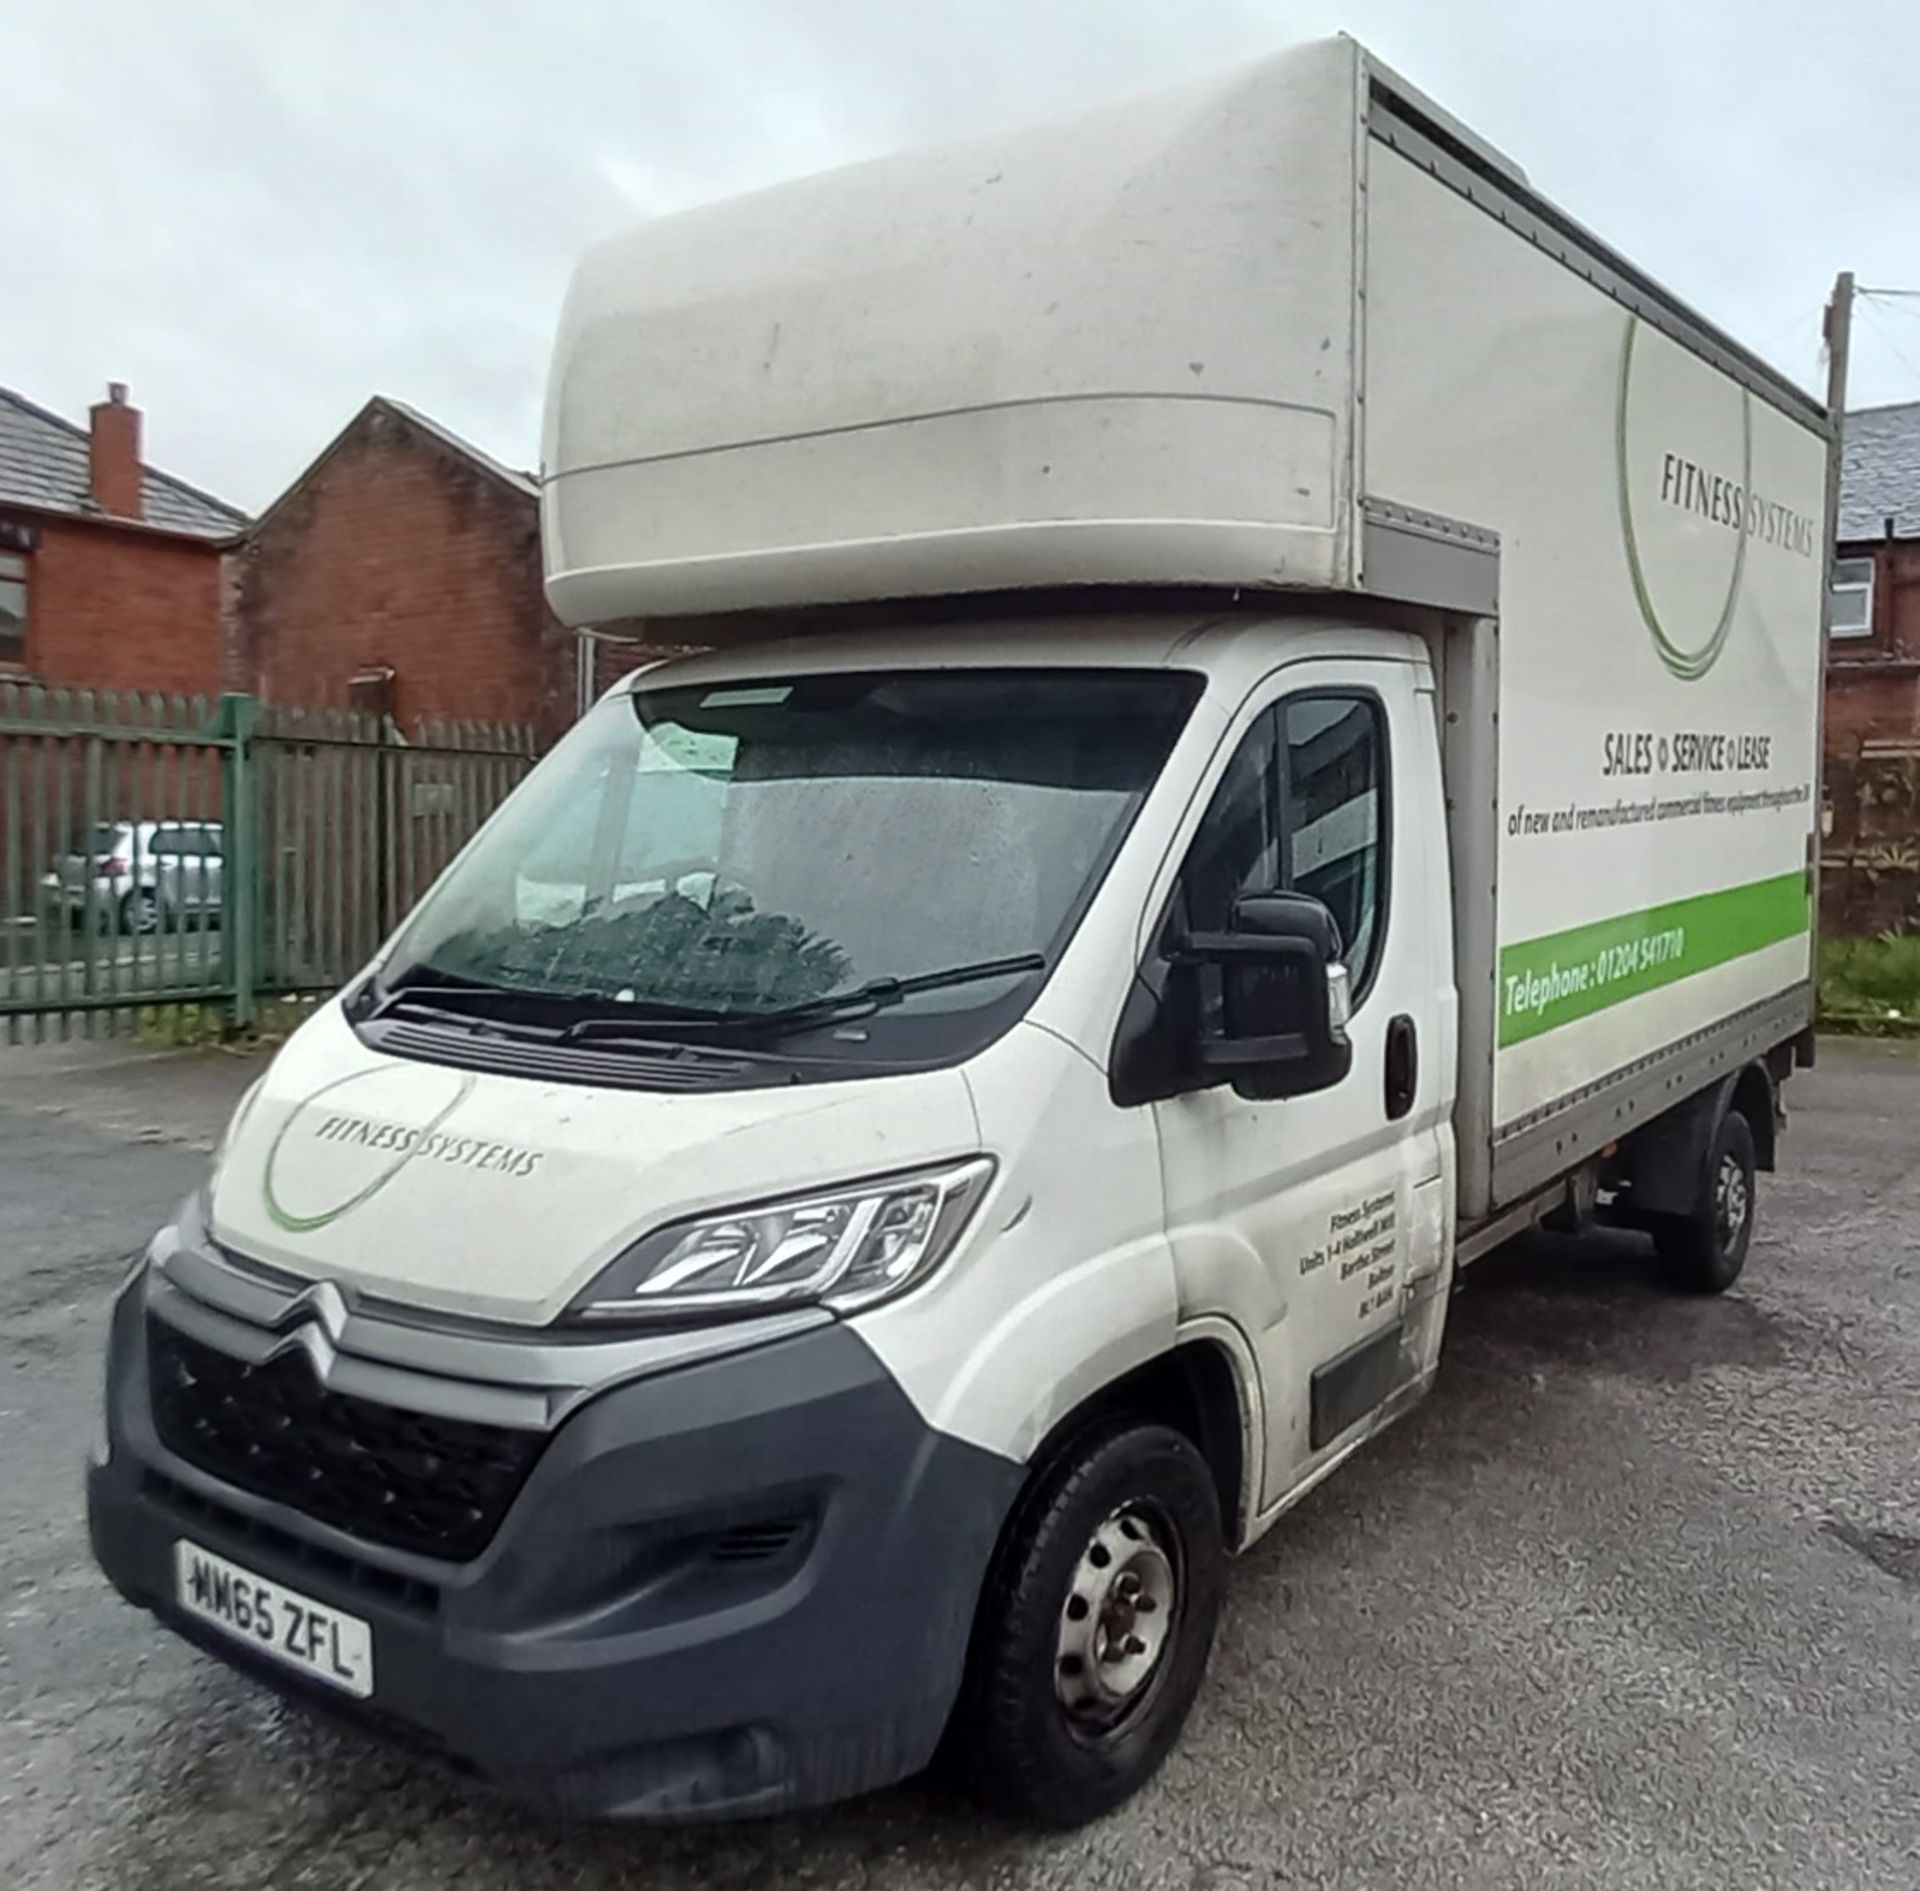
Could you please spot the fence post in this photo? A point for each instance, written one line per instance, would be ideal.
(240, 893)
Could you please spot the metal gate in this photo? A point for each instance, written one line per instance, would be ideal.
(356, 821)
(179, 851)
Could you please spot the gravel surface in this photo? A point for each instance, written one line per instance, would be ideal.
(1633, 1600)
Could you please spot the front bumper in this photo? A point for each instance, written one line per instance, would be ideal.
(740, 1586)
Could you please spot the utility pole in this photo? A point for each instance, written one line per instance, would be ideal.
(1839, 337)
(586, 642)
(585, 666)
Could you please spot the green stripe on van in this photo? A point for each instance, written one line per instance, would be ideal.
(1551, 981)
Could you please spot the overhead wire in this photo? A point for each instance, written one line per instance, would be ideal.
(1868, 298)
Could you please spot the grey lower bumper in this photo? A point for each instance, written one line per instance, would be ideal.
(742, 1586)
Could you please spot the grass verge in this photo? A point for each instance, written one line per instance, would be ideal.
(1871, 987)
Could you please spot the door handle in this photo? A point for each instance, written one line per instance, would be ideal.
(1403, 1066)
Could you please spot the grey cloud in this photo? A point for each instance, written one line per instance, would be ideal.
(258, 213)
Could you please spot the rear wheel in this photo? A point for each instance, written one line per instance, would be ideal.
(1095, 1627)
(1705, 1249)
(140, 912)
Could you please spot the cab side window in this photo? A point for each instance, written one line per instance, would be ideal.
(1240, 847)
(1302, 808)
(1336, 808)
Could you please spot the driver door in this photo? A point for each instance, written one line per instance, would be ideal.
(1314, 1218)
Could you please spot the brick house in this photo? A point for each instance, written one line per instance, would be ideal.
(110, 570)
(1873, 679)
(401, 573)
(1871, 853)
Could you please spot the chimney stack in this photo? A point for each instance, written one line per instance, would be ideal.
(113, 455)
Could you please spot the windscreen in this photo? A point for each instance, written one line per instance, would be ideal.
(745, 848)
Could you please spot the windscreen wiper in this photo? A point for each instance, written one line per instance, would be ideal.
(448, 999)
(431, 995)
(450, 996)
(437, 994)
(643, 1021)
(878, 993)
(633, 1020)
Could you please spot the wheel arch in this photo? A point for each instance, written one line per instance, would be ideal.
(1755, 1095)
(1206, 1388)
(1663, 1160)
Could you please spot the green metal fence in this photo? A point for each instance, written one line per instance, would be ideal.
(355, 822)
(179, 851)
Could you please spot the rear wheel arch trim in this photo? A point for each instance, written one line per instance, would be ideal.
(1665, 1157)
(1754, 1093)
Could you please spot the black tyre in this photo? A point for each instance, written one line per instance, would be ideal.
(1094, 1628)
(140, 913)
(1704, 1251)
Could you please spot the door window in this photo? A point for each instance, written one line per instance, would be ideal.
(1239, 848)
(1336, 816)
(1301, 808)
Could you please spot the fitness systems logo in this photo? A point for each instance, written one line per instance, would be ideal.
(1688, 583)
(356, 1136)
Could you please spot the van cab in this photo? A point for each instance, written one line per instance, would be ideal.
(712, 1245)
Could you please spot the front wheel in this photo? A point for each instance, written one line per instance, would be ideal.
(1095, 1627)
(1705, 1249)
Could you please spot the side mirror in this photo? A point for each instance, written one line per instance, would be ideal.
(1283, 997)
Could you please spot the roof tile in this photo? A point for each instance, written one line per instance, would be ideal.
(43, 463)
(1880, 473)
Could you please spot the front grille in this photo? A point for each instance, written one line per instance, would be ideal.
(433, 1486)
(224, 1528)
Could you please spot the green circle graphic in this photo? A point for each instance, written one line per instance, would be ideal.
(284, 1217)
(1688, 665)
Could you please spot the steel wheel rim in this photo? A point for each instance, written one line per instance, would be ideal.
(1118, 1620)
(1732, 1200)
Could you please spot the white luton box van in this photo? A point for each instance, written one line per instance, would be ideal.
(1257, 735)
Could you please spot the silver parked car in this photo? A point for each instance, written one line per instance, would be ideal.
(141, 876)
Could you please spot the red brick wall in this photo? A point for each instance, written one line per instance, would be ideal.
(397, 552)
(1870, 705)
(1897, 598)
(117, 608)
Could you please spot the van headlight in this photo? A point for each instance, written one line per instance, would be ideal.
(845, 1248)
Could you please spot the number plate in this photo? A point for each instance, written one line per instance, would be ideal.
(292, 1628)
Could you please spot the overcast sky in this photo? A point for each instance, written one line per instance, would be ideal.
(259, 212)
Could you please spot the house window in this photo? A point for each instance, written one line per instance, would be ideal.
(1853, 597)
(13, 607)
